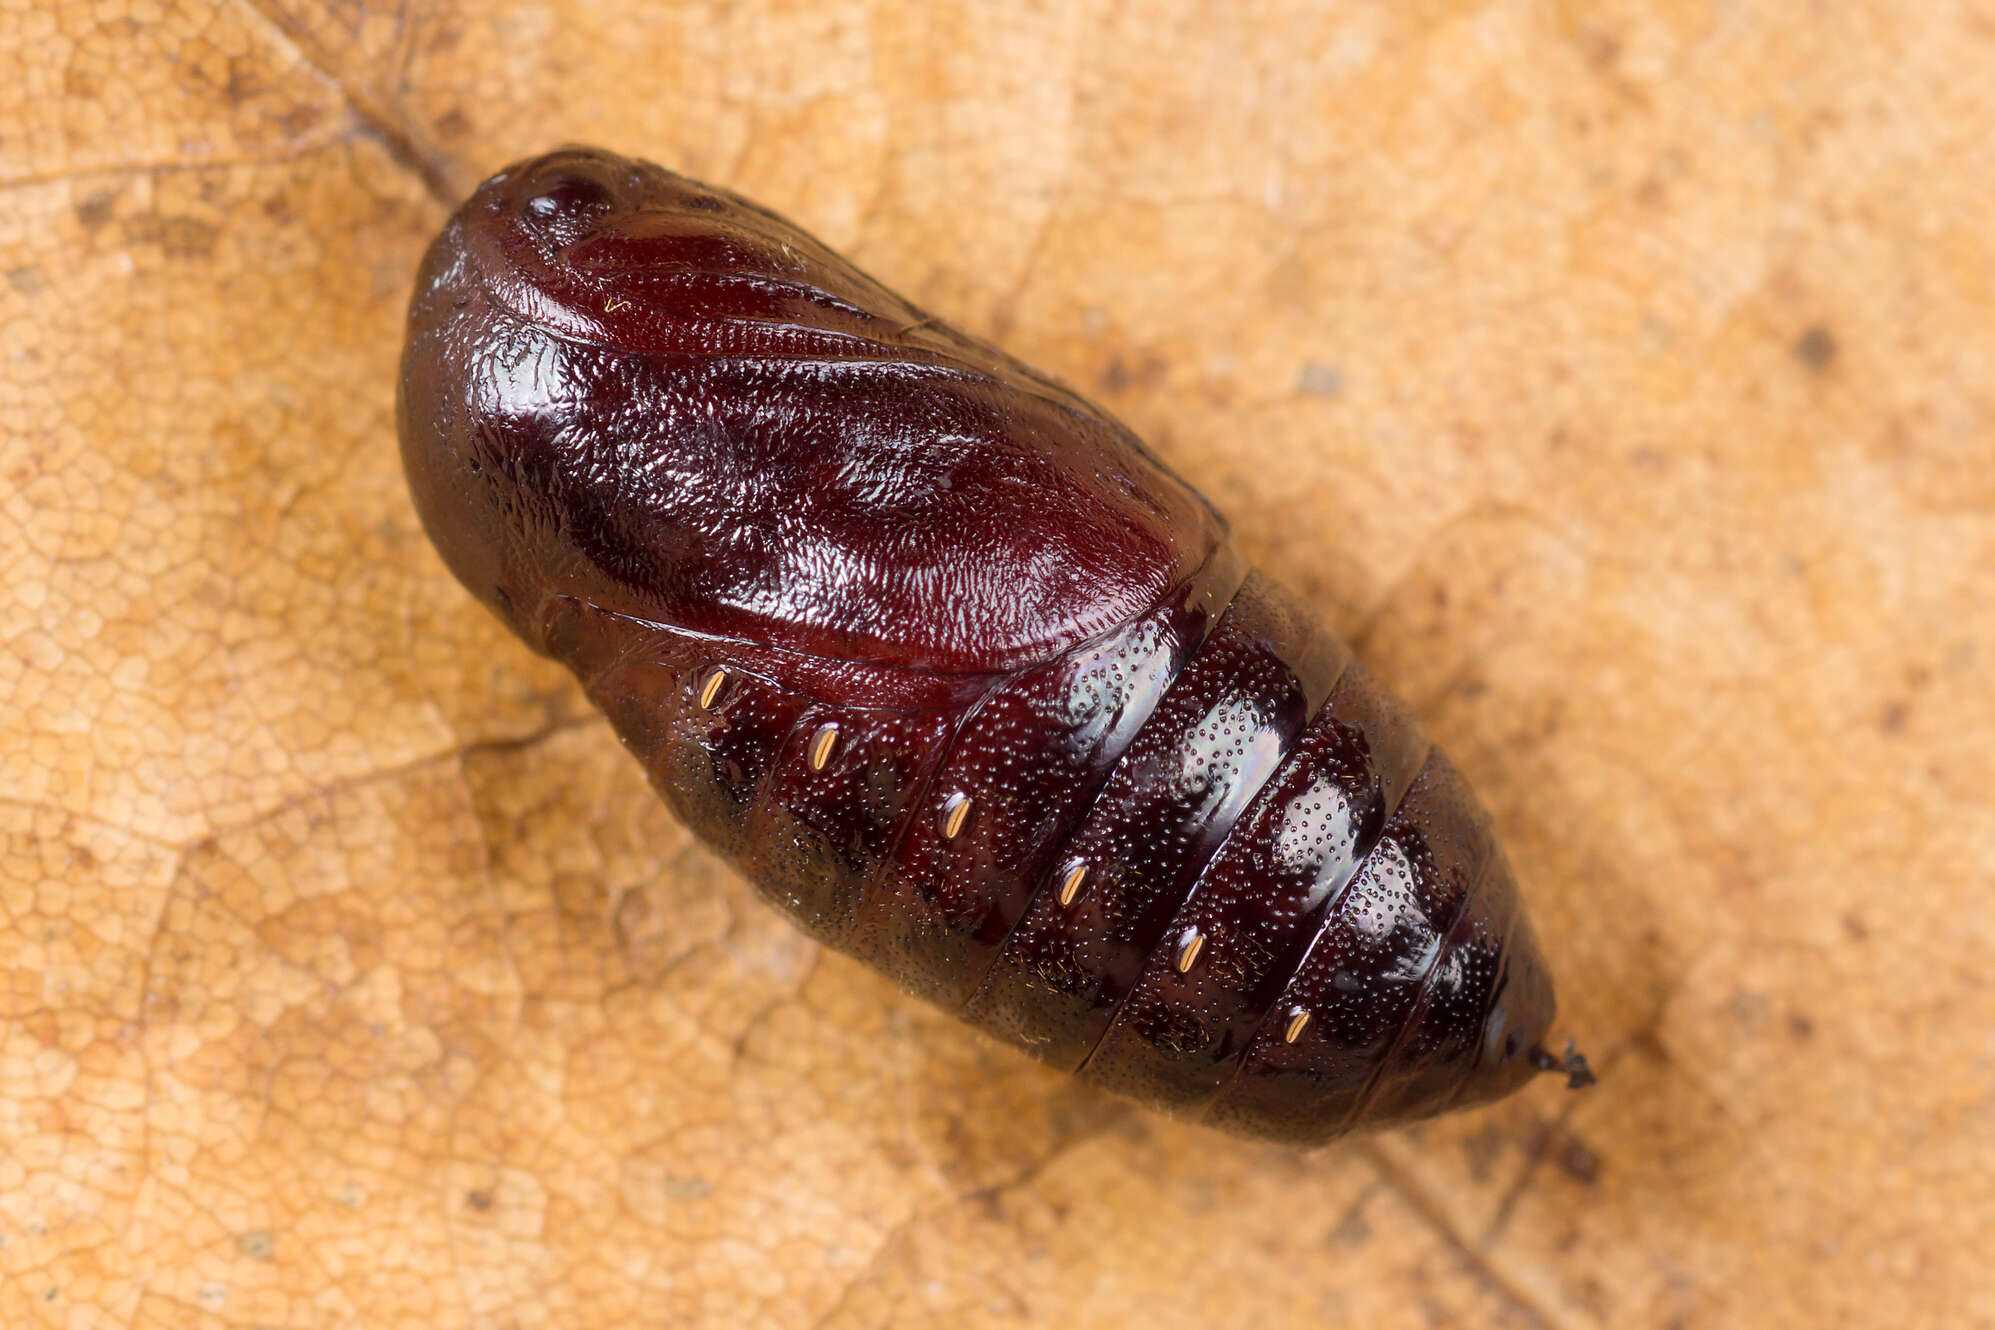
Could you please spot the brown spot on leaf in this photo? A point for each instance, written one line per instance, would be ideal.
(1353, 1230)
(245, 82)
(1750, 1011)
(95, 209)
(1483, 1147)
(177, 237)
(1577, 1160)
(298, 120)
(1118, 376)
(1316, 379)
(1816, 348)
(686, 1188)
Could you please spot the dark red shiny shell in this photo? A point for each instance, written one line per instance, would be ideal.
(966, 681)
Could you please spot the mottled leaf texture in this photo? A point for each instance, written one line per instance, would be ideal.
(1615, 376)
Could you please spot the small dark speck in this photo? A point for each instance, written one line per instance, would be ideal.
(1800, 1026)
(177, 237)
(257, 1244)
(1484, 1148)
(27, 280)
(1855, 929)
(1750, 1010)
(1319, 380)
(242, 86)
(1198, 1195)
(298, 120)
(1580, 1163)
(687, 1188)
(478, 1200)
(1892, 719)
(1816, 348)
(1119, 376)
(1352, 1230)
(95, 210)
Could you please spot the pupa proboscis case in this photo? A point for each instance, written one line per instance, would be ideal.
(963, 678)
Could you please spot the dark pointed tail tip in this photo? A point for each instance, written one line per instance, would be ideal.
(1571, 1065)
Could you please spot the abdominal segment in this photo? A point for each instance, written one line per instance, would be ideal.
(1205, 860)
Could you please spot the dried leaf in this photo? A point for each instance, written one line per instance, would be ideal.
(1616, 375)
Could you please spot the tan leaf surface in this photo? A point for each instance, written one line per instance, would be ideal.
(1619, 376)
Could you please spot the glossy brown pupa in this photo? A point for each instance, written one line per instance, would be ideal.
(958, 673)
